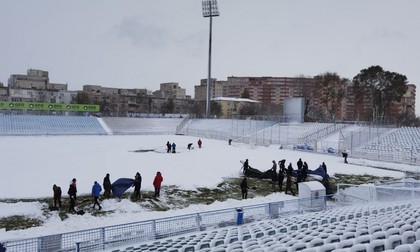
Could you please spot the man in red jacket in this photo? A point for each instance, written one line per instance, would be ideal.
(157, 183)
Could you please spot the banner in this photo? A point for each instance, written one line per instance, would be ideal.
(49, 106)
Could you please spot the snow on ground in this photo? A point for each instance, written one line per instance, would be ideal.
(31, 165)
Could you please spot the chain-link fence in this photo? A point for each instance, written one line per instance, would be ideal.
(115, 236)
(384, 144)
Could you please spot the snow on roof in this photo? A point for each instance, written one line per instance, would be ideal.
(233, 99)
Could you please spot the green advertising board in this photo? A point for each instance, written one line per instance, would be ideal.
(49, 106)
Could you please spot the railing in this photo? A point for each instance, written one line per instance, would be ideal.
(324, 132)
(347, 193)
(181, 126)
(143, 231)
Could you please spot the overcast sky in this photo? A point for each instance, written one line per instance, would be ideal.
(140, 44)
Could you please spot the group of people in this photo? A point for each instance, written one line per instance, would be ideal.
(157, 183)
(170, 147)
(278, 177)
(97, 189)
(199, 143)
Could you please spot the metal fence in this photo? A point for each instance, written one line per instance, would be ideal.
(366, 143)
(145, 231)
(357, 142)
(350, 194)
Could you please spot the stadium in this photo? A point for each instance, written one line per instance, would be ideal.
(39, 151)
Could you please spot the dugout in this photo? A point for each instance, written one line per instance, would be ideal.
(312, 195)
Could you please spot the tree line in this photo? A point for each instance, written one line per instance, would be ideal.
(380, 87)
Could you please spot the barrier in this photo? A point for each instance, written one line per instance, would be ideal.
(348, 193)
(144, 231)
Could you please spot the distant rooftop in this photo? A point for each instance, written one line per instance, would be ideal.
(233, 99)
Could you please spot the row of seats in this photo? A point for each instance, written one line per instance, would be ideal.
(82, 125)
(125, 125)
(357, 228)
(404, 139)
(293, 134)
(226, 127)
(49, 125)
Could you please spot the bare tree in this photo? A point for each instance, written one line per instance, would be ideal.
(332, 90)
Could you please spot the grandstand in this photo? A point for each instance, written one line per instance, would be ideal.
(294, 134)
(389, 144)
(139, 126)
(403, 143)
(49, 125)
(373, 226)
(376, 227)
(347, 226)
(224, 129)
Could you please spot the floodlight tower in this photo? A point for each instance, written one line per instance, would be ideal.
(209, 10)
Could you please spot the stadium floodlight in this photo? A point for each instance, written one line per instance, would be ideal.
(209, 10)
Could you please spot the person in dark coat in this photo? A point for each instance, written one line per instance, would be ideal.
(57, 196)
(72, 193)
(304, 171)
(173, 147)
(189, 146)
(324, 166)
(168, 147)
(107, 186)
(274, 167)
(299, 164)
(290, 170)
(137, 185)
(96, 192)
(157, 182)
(245, 166)
(274, 176)
(345, 155)
(280, 179)
(289, 184)
(299, 177)
(199, 143)
(244, 188)
(282, 166)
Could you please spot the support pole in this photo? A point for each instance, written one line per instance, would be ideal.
(209, 74)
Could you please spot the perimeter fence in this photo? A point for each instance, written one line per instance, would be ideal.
(351, 194)
(391, 144)
(359, 140)
(119, 235)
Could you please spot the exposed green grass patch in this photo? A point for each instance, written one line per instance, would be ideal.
(173, 197)
(18, 222)
(147, 150)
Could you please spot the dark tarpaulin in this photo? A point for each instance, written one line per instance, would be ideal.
(255, 173)
(320, 172)
(120, 186)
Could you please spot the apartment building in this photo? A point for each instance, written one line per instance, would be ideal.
(407, 103)
(231, 106)
(216, 89)
(35, 86)
(171, 90)
(270, 89)
(34, 79)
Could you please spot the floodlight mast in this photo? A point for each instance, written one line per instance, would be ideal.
(209, 10)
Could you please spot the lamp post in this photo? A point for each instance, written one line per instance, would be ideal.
(209, 10)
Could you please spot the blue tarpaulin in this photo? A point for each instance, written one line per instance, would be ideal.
(320, 172)
(120, 186)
